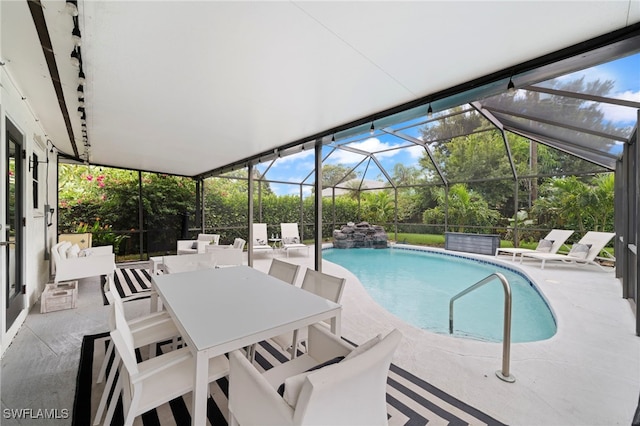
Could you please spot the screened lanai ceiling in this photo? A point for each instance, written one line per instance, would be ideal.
(188, 88)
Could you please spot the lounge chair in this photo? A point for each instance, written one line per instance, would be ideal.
(291, 238)
(583, 252)
(551, 243)
(261, 238)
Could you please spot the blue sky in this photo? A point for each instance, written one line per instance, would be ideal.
(625, 72)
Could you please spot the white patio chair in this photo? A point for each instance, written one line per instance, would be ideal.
(261, 239)
(225, 257)
(198, 245)
(154, 382)
(191, 262)
(582, 253)
(145, 331)
(551, 243)
(291, 238)
(285, 271)
(351, 391)
(318, 283)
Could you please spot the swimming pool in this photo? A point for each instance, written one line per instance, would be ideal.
(416, 286)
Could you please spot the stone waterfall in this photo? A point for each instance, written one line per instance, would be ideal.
(360, 235)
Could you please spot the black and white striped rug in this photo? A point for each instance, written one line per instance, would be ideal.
(130, 281)
(410, 400)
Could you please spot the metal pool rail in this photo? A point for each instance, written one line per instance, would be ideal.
(506, 340)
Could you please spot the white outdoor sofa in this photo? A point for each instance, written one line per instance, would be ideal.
(71, 263)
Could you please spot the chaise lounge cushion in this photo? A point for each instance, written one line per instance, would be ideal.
(544, 246)
(580, 250)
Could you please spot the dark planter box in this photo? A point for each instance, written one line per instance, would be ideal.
(472, 243)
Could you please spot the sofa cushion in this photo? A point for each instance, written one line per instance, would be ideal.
(62, 249)
(73, 251)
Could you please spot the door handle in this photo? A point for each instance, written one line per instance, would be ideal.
(6, 243)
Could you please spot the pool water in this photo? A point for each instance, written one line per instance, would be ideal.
(416, 286)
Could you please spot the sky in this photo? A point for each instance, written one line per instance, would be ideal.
(625, 72)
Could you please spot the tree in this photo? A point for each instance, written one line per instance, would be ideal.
(465, 208)
(377, 207)
(333, 174)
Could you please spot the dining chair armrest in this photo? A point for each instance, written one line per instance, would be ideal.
(324, 345)
(252, 400)
(157, 365)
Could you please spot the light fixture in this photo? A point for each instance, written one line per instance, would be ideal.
(80, 111)
(81, 102)
(76, 36)
(429, 112)
(333, 138)
(72, 7)
(81, 79)
(75, 58)
(80, 91)
(511, 88)
(372, 129)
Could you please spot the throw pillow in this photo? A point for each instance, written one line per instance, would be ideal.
(364, 347)
(544, 246)
(73, 251)
(85, 252)
(290, 389)
(260, 242)
(580, 250)
(62, 249)
(291, 240)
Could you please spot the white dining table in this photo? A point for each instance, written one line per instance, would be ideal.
(220, 310)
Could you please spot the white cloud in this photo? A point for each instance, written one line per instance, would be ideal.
(370, 145)
(620, 114)
(415, 152)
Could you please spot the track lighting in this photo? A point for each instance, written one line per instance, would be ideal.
(80, 91)
(81, 79)
(372, 129)
(80, 111)
(72, 7)
(511, 88)
(75, 58)
(76, 36)
(429, 112)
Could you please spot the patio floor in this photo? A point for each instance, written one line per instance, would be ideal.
(587, 374)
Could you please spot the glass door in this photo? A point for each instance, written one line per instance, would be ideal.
(12, 229)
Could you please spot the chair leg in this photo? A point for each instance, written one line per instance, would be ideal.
(114, 401)
(105, 362)
(107, 389)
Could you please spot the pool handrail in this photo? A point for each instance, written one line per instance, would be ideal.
(506, 339)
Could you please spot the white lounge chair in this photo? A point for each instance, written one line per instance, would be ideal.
(261, 239)
(349, 391)
(551, 243)
(291, 238)
(583, 252)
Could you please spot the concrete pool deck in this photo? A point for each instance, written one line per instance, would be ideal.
(588, 373)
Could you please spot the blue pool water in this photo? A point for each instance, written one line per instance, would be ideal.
(416, 286)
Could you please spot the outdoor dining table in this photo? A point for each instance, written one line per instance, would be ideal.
(220, 310)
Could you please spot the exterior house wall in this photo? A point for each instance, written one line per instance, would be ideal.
(35, 268)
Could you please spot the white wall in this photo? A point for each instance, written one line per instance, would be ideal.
(35, 268)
